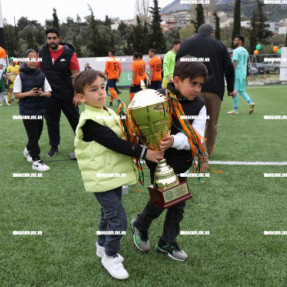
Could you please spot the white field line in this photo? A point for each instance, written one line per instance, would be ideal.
(263, 87)
(248, 162)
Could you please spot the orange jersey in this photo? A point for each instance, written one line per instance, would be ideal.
(144, 65)
(113, 68)
(155, 64)
(138, 68)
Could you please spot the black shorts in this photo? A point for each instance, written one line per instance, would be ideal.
(155, 85)
(111, 83)
(135, 88)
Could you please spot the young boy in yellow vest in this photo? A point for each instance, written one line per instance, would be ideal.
(105, 159)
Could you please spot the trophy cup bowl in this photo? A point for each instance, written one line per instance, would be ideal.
(150, 118)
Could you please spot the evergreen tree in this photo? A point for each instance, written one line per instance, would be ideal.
(123, 29)
(108, 21)
(77, 46)
(56, 22)
(11, 40)
(30, 40)
(137, 37)
(262, 34)
(95, 43)
(236, 20)
(253, 34)
(128, 49)
(156, 39)
(146, 37)
(217, 26)
(199, 17)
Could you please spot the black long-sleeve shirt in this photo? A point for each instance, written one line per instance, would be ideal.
(105, 136)
(203, 45)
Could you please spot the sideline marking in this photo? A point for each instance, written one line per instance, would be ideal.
(248, 162)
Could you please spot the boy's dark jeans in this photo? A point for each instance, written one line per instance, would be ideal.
(33, 129)
(174, 216)
(113, 218)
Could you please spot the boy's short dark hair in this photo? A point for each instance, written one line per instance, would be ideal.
(112, 51)
(187, 68)
(176, 42)
(136, 55)
(153, 50)
(52, 30)
(85, 78)
(140, 55)
(241, 38)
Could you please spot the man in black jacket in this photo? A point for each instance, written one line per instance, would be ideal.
(218, 63)
(59, 63)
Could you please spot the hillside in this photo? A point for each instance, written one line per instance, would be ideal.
(273, 12)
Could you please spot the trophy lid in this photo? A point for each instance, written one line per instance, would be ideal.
(146, 98)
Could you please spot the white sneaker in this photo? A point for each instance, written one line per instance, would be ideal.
(40, 166)
(101, 252)
(26, 153)
(115, 267)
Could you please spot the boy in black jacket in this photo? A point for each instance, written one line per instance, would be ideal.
(32, 87)
(188, 79)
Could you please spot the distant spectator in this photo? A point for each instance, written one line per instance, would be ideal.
(169, 63)
(218, 63)
(87, 67)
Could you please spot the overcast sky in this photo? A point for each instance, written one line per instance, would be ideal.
(43, 9)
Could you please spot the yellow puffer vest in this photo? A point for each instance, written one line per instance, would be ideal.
(102, 169)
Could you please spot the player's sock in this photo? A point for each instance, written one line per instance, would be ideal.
(6, 99)
(235, 102)
(9, 97)
(113, 93)
(245, 97)
(131, 96)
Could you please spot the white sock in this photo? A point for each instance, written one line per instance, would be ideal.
(6, 98)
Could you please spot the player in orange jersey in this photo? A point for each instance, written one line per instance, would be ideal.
(138, 72)
(155, 76)
(113, 71)
(144, 65)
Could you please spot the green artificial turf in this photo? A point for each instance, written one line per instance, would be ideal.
(235, 206)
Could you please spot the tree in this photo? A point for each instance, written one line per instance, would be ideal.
(217, 26)
(253, 34)
(199, 17)
(95, 42)
(157, 39)
(262, 34)
(138, 41)
(286, 40)
(11, 40)
(77, 46)
(30, 40)
(56, 23)
(124, 29)
(236, 20)
(108, 21)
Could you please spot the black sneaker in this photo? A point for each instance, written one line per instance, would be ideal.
(52, 152)
(172, 250)
(140, 238)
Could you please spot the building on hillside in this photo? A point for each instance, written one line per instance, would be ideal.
(282, 26)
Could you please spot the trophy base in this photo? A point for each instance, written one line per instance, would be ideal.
(171, 196)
